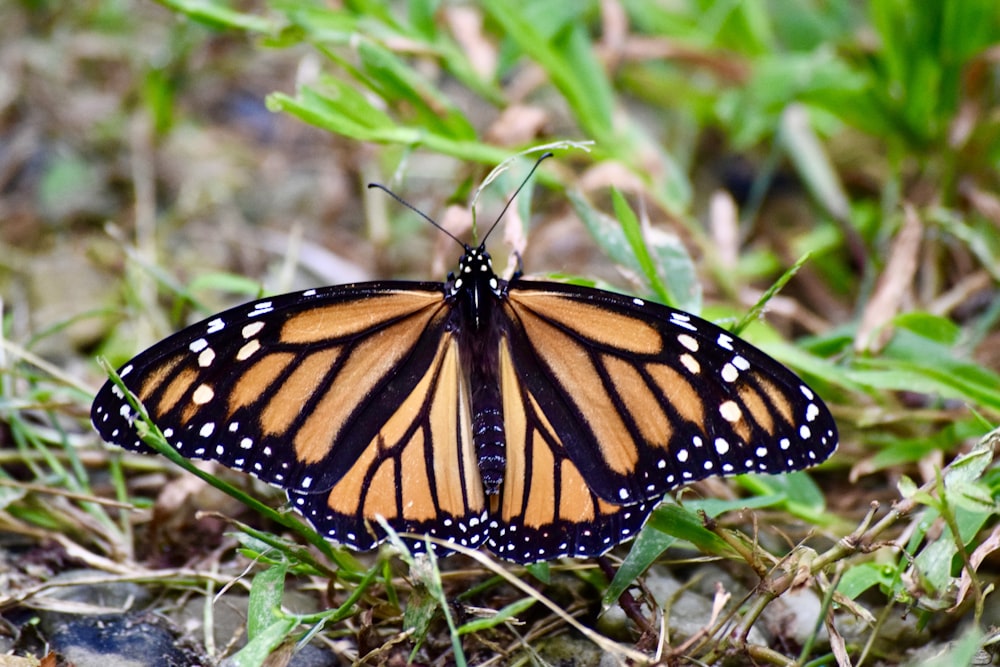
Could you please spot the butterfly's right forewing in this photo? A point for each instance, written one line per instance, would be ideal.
(292, 389)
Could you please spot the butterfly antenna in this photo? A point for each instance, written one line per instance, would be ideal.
(417, 210)
(510, 201)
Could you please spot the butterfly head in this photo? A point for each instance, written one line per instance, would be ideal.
(475, 273)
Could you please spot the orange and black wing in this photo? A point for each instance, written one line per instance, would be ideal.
(645, 398)
(546, 507)
(350, 398)
(419, 472)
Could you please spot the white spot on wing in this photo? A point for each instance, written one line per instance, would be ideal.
(206, 357)
(203, 394)
(252, 329)
(248, 350)
(688, 341)
(730, 411)
(261, 308)
(691, 364)
(729, 373)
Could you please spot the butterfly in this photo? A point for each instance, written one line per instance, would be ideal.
(534, 418)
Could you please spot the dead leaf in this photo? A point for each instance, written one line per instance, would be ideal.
(517, 125)
(988, 546)
(893, 285)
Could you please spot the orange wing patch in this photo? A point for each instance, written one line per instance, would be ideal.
(573, 367)
(419, 472)
(605, 326)
(546, 508)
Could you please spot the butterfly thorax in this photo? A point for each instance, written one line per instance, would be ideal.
(478, 293)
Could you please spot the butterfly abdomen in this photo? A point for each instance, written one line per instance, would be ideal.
(477, 320)
(488, 435)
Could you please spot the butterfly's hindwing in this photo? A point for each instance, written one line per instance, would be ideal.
(547, 508)
(419, 472)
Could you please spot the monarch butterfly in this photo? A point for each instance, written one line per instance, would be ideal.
(535, 418)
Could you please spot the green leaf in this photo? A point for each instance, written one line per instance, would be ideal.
(566, 55)
(682, 523)
(637, 243)
(802, 497)
(969, 467)
(421, 608)
(266, 593)
(776, 287)
(260, 647)
(713, 507)
(646, 548)
(421, 14)
(933, 327)
(229, 283)
(972, 496)
(541, 571)
(911, 362)
(319, 24)
(667, 524)
(812, 162)
(312, 108)
(859, 578)
(906, 486)
(399, 84)
(218, 15)
(671, 257)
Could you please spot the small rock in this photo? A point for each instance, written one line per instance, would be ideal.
(129, 640)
